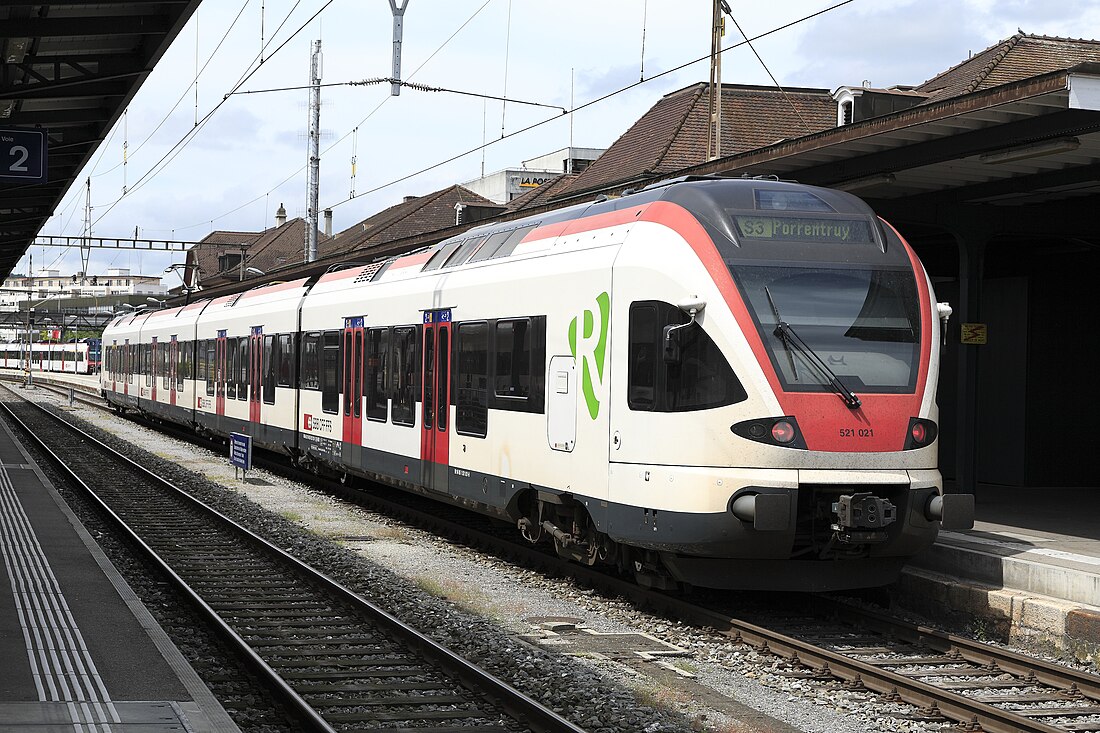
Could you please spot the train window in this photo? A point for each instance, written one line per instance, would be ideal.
(230, 373)
(700, 379)
(513, 358)
(472, 379)
(165, 363)
(244, 371)
(269, 370)
(787, 200)
(311, 361)
(285, 371)
(405, 382)
(183, 363)
(376, 383)
(210, 350)
(200, 361)
(330, 372)
(642, 364)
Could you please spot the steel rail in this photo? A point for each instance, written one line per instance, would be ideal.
(874, 677)
(299, 707)
(511, 700)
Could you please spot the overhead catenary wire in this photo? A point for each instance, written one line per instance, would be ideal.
(358, 124)
(595, 101)
(190, 135)
(770, 74)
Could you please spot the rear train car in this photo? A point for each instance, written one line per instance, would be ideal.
(721, 383)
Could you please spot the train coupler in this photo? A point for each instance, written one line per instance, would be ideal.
(862, 518)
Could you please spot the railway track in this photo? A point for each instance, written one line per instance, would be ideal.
(944, 677)
(336, 661)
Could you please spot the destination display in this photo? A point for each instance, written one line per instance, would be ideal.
(791, 229)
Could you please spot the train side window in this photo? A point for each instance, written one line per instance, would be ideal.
(700, 379)
(472, 379)
(518, 348)
(183, 363)
(376, 383)
(244, 369)
(285, 372)
(330, 372)
(230, 375)
(269, 370)
(311, 361)
(200, 360)
(210, 347)
(405, 380)
(642, 363)
(165, 361)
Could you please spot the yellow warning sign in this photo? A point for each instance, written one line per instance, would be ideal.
(974, 333)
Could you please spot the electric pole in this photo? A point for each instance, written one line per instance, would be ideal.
(314, 152)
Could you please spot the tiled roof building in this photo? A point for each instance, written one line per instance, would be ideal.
(1019, 57)
(673, 134)
(414, 216)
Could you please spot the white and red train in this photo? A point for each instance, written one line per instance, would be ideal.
(73, 357)
(719, 383)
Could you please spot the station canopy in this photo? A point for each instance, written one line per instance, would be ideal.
(68, 69)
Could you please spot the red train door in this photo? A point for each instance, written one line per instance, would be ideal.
(353, 380)
(220, 373)
(435, 387)
(255, 372)
(173, 365)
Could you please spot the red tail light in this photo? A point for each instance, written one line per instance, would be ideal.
(921, 433)
(783, 432)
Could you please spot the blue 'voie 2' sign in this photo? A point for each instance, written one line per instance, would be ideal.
(23, 155)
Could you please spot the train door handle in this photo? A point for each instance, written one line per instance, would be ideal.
(617, 440)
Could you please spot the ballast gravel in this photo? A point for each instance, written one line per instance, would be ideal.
(497, 614)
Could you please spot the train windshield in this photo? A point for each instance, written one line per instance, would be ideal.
(864, 323)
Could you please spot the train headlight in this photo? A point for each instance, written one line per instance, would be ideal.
(921, 433)
(778, 431)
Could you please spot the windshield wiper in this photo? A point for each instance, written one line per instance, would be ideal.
(790, 339)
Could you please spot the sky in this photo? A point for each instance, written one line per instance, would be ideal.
(197, 160)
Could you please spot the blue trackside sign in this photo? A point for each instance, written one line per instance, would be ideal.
(240, 451)
(23, 155)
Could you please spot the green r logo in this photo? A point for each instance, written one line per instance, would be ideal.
(592, 349)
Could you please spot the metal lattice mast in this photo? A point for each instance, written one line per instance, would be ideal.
(314, 152)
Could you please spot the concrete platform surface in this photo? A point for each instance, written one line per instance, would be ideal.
(1030, 568)
(80, 651)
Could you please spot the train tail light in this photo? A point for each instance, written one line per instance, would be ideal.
(921, 433)
(779, 431)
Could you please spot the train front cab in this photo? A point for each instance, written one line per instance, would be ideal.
(764, 475)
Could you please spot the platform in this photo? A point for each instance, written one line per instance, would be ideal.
(80, 651)
(1030, 567)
